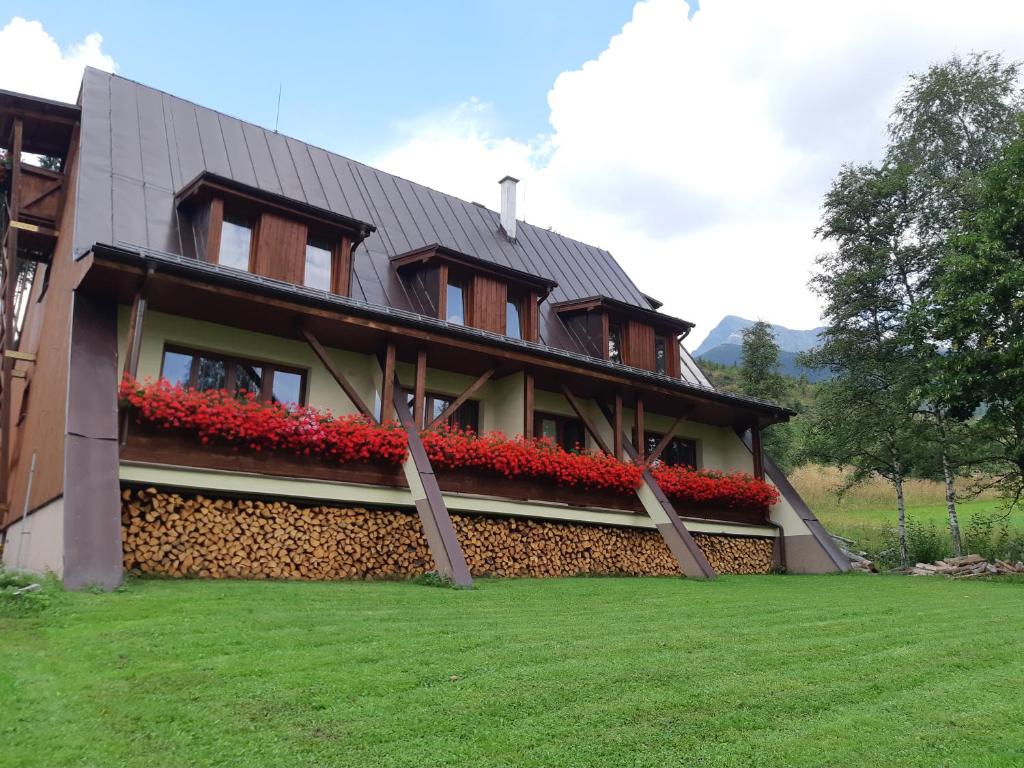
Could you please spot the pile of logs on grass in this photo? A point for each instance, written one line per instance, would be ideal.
(196, 535)
(967, 567)
(736, 554)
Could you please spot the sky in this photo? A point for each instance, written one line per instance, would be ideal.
(695, 145)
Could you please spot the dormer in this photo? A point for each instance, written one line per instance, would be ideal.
(245, 228)
(624, 333)
(466, 290)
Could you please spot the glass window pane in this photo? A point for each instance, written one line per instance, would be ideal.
(572, 436)
(248, 378)
(318, 265)
(177, 368)
(512, 323)
(467, 416)
(287, 387)
(548, 428)
(614, 344)
(455, 309)
(660, 355)
(437, 406)
(212, 374)
(235, 240)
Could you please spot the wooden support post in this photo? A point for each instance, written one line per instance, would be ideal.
(528, 406)
(757, 450)
(587, 423)
(437, 523)
(617, 426)
(338, 376)
(420, 388)
(387, 407)
(458, 401)
(135, 324)
(10, 275)
(638, 429)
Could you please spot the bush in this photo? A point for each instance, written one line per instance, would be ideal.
(991, 537)
(24, 593)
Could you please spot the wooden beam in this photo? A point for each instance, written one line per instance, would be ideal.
(665, 440)
(420, 388)
(10, 279)
(26, 227)
(587, 423)
(617, 426)
(344, 383)
(638, 428)
(387, 407)
(528, 406)
(135, 325)
(458, 401)
(216, 225)
(757, 450)
(18, 374)
(433, 513)
(14, 354)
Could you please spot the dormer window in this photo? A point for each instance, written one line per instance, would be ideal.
(513, 319)
(235, 242)
(660, 354)
(470, 291)
(455, 302)
(319, 264)
(242, 227)
(614, 343)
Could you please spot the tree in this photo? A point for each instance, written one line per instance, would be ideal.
(978, 308)
(759, 377)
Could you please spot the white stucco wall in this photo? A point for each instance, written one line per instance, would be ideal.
(37, 544)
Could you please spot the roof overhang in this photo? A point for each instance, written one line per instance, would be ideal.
(208, 185)
(205, 291)
(622, 309)
(435, 253)
(47, 125)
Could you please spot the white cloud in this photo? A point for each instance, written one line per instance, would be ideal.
(698, 150)
(32, 62)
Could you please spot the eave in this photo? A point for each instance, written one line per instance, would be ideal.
(213, 293)
(436, 253)
(622, 309)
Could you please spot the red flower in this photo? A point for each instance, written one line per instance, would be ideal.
(737, 490)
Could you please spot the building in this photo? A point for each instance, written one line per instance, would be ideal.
(171, 240)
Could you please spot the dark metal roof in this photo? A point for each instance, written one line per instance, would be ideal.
(141, 146)
(628, 310)
(543, 285)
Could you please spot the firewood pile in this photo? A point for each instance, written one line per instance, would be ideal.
(735, 554)
(195, 535)
(968, 567)
(858, 559)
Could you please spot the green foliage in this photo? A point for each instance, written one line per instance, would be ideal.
(758, 671)
(435, 579)
(25, 594)
(992, 537)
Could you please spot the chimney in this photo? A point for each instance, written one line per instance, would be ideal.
(508, 206)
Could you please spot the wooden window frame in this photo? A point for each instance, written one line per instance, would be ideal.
(560, 423)
(429, 397)
(341, 259)
(657, 436)
(230, 361)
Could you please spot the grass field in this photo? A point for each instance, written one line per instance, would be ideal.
(843, 671)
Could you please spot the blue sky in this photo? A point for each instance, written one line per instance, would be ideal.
(352, 72)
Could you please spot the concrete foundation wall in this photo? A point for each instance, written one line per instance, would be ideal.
(37, 544)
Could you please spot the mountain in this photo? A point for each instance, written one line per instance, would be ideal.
(724, 345)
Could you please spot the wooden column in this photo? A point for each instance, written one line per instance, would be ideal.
(757, 450)
(528, 407)
(387, 407)
(420, 388)
(10, 274)
(638, 428)
(617, 426)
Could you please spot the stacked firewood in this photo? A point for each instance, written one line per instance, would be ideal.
(195, 535)
(176, 535)
(734, 554)
(510, 547)
(968, 567)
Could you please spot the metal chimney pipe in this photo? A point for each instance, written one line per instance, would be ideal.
(508, 206)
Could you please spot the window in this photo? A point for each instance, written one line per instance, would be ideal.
(513, 322)
(455, 303)
(319, 259)
(679, 450)
(235, 242)
(614, 343)
(466, 416)
(209, 370)
(660, 354)
(562, 430)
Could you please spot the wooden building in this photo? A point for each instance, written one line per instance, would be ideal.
(169, 240)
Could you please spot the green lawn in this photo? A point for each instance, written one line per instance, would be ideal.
(745, 671)
(842, 517)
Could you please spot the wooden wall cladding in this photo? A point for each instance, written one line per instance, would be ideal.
(638, 345)
(196, 535)
(280, 248)
(488, 298)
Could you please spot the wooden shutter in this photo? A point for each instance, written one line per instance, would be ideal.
(487, 304)
(280, 248)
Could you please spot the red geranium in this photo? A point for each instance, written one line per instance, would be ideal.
(242, 421)
(737, 490)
